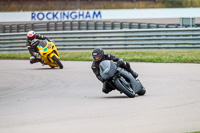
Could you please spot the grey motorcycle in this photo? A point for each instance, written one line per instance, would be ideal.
(120, 79)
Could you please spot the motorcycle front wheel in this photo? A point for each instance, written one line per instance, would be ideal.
(124, 89)
(57, 61)
(142, 92)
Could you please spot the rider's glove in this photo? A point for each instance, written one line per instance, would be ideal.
(101, 79)
(121, 62)
(49, 40)
(36, 54)
(32, 58)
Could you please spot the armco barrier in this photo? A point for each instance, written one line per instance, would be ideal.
(140, 39)
(80, 25)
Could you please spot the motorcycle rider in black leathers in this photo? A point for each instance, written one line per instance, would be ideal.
(32, 47)
(98, 56)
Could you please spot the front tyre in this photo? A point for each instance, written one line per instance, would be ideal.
(57, 61)
(123, 88)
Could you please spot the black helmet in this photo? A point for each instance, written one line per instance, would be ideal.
(97, 54)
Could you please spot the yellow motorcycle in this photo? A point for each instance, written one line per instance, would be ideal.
(49, 54)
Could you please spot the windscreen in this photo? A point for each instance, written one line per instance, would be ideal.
(42, 43)
(107, 69)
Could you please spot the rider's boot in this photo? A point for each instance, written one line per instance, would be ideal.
(39, 60)
(107, 88)
(135, 75)
(33, 59)
(128, 68)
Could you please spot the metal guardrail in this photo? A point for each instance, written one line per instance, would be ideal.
(80, 25)
(140, 39)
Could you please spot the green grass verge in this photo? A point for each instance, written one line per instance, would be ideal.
(192, 56)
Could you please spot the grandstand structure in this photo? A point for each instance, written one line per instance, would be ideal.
(30, 5)
(9, 1)
(36, 5)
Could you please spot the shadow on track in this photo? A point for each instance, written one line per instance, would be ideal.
(119, 97)
(45, 69)
(115, 97)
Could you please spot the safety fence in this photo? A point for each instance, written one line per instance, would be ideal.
(80, 25)
(129, 39)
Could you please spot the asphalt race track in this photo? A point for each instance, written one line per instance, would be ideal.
(37, 99)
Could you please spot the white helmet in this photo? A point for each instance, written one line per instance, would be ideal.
(31, 35)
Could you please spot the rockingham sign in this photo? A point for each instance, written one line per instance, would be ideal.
(66, 15)
(70, 15)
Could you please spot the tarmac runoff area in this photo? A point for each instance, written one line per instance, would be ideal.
(37, 99)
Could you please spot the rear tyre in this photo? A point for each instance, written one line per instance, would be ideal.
(124, 89)
(57, 61)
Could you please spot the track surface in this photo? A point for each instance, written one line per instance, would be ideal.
(36, 99)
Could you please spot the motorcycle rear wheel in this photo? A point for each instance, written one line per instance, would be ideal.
(57, 61)
(124, 89)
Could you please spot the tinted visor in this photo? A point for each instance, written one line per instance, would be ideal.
(97, 57)
(31, 38)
